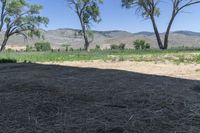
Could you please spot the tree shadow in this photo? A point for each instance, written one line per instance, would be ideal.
(61, 99)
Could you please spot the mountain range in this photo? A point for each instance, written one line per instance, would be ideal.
(71, 37)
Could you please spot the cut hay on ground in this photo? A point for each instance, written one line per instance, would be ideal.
(36, 98)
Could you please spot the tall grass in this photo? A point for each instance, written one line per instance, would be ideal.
(179, 55)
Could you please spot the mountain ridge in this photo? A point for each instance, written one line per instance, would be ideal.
(62, 36)
(187, 32)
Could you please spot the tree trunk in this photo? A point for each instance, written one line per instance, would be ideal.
(160, 44)
(168, 31)
(86, 45)
(3, 45)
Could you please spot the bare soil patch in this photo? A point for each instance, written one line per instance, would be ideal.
(185, 71)
(42, 98)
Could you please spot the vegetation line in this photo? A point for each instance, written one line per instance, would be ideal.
(150, 55)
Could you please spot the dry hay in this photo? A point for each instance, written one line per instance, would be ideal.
(57, 99)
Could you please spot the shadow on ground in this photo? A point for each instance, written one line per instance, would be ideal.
(38, 98)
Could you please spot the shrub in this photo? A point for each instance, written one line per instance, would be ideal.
(71, 49)
(122, 46)
(29, 48)
(8, 61)
(113, 47)
(43, 46)
(118, 47)
(141, 44)
(97, 47)
(10, 50)
(147, 46)
(136, 45)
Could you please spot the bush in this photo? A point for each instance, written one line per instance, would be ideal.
(43, 46)
(9, 50)
(141, 44)
(29, 48)
(147, 46)
(97, 47)
(122, 46)
(8, 61)
(118, 47)
(113, 47)
(71, 49)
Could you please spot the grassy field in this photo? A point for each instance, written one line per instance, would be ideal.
(172, 55)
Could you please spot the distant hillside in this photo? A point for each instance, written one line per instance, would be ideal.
(187, 33)
(144, 33)
(105, 38)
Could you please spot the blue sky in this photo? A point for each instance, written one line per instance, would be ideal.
(114, 17)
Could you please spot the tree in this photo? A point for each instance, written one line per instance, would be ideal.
(150, 9)
(87, 12)
(42, 46)
(20, 18)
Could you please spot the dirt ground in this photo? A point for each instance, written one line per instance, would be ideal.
(185, 71)
(99, 97)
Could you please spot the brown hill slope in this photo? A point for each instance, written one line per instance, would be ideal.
(105, 38)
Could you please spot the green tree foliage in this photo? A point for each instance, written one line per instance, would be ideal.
(121, 46)
(20, 18)
(114, 47)
(43, 46)
(97, 47)
(149, 9)
(87, 12)
(141, 44)
(29, 48)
